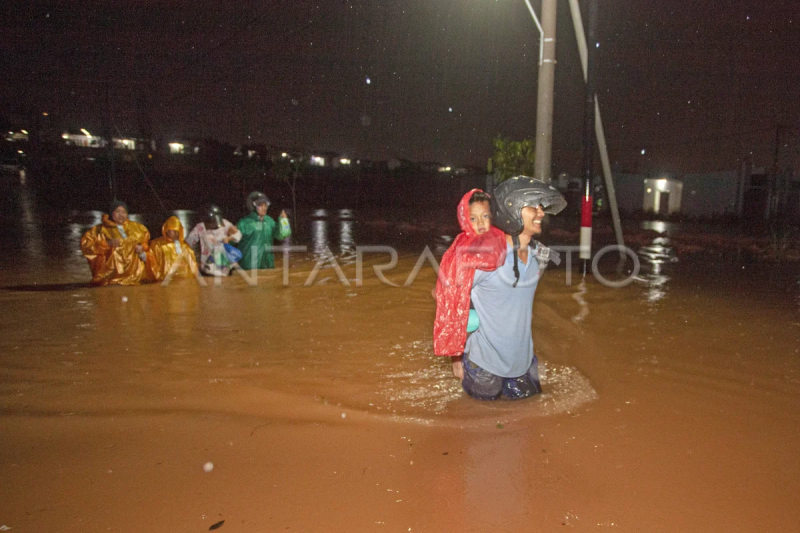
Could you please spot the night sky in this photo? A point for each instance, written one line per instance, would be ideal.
(697, 84)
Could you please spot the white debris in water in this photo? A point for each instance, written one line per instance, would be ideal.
(208, 467)
(124, 299)
(344, 415)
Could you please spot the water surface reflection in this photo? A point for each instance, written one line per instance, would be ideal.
(655, 259)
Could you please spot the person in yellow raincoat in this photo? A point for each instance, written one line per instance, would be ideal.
(169, 255)
(116, 249)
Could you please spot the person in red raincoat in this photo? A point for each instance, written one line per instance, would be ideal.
(479, 246)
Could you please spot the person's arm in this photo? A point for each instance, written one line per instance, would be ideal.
(94, 244)
(143, 242)
(271, 228)
(235, 232)
(245, 226)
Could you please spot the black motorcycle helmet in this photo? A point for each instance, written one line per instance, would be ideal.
(515, 193)
(214, 215)
(255, 198)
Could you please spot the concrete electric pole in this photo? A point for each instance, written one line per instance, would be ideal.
(544, 104)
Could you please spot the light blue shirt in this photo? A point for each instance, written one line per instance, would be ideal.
(503, 344)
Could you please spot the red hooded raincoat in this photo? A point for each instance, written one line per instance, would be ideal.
(468, 252)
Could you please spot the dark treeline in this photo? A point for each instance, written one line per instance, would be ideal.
(84, 179)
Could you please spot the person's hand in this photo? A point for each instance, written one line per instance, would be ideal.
(226, 240)
(433, 292)
(114, 243)
(139, 249)
(458, 368)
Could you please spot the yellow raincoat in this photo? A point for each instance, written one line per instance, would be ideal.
(120, 265)
(166, 254)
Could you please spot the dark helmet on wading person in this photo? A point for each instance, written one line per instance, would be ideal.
(255, 198)
(511, 196)
(214, 215)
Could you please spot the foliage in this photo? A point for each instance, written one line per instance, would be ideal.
(285, 170)
(512, 158)
(288, 172)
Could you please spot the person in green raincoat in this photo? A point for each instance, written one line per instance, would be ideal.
(259, 231)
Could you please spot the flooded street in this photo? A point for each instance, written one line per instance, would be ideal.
(670, 404)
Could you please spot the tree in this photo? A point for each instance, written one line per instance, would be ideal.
(249, 175)
(288, 172)
(512, 158)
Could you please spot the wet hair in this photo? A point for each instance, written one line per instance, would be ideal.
(117, 204)
(478, 196)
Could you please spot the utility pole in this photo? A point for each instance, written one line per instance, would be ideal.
(583, 50)
(544, 99)
(588, 141)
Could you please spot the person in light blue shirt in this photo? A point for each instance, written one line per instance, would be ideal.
(499, 360)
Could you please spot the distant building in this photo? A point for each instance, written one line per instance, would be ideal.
(662, 196)
(181, 147)
(83, 139)
(701, 195)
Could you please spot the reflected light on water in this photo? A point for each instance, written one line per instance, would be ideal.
(319, 236)
(666, 228)
(346, 238)
(654, 257)
(31, 226)
(347, 243)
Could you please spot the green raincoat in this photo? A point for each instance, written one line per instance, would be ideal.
(256, 236)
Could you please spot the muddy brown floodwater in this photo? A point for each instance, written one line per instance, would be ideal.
(670, 405)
